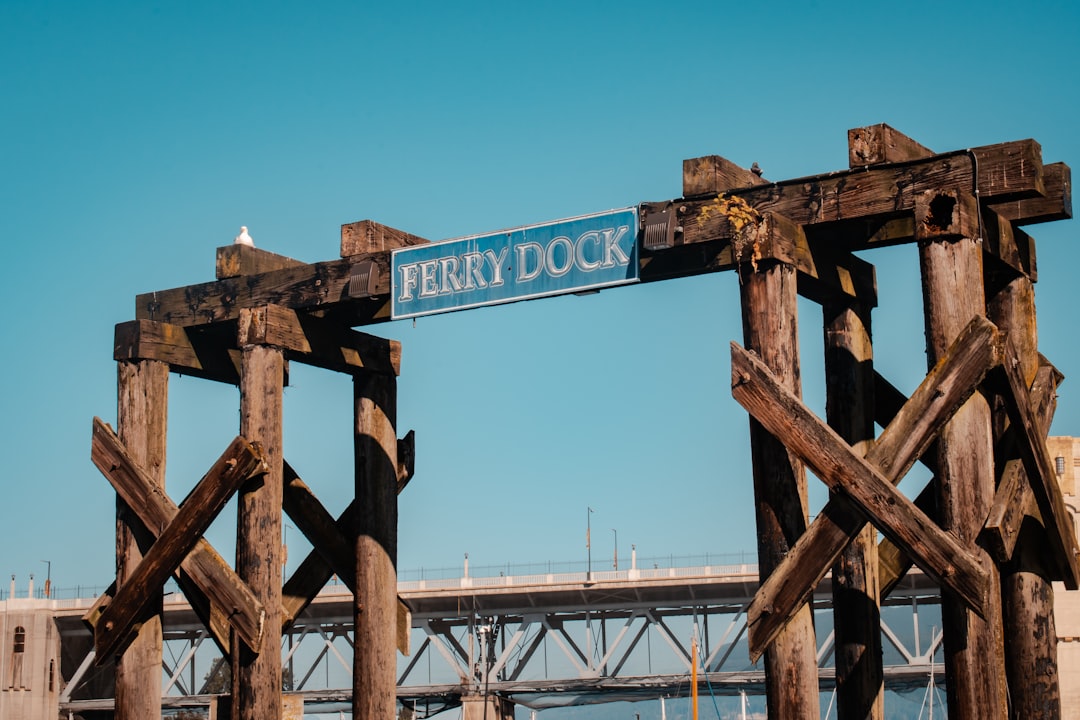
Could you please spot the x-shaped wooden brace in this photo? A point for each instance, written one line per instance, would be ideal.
(178, 548)
(332, 552)
(865, 486)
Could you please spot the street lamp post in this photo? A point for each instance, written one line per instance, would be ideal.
(588, 543)
(48, 577)
(616, 547)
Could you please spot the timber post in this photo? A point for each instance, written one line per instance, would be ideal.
(849, 407)
(256, 672)
(375, 600)
(951, 261)
(142, 414)
(1026, 590)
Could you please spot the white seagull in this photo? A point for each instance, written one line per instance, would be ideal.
(243, 238)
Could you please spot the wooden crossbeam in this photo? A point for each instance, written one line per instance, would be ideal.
(186, 350)
(907, 437)
(937, 552)
(1056, 204)
(1061, 535)
(1014, 498)
(239, 260)
(114, 629)
(1004, 172)
(316, 341)
(332, 552)
(222, 600)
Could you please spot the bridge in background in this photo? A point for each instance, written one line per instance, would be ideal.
(540, 640)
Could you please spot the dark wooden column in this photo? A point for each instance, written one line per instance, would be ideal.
(257, 675)
(142, 413)
(770, 328)
(952, 276)
(1027, 595)
(375, 605)
(849, 392)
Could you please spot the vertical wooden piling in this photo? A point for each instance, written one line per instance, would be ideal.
(375, 602)
(849, 392)
(142, 413)
(1026, 591)
(770, 328)
(952, 275)
(257, 675)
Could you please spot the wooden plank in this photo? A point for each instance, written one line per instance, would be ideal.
(375, 600)
(894, 563)
(770, 327)
(142, 416)
(938, 553)
(256, 672)
(880, 144)
(316, 341)
(229, 597)
(114, 629)
(714, 174)
(904, 440)
(1032, 446)
(1014, 498)
(1055, 205)
(1005, 171)
(1011, 246)
(368, 236)
(239, 260)
(953, 295)
(849, 407)
(186, 350)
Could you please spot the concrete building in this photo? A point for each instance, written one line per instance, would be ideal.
(30, 673)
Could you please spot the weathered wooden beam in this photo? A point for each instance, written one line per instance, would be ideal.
(894, 563)
(256, 672)
(1010, 246)
(1014, 498)
(849, 408)
(240, 461)
(239, 260)
(713, 174)
(1056, 519)
(952, 280)
(881, 144)
(1056, 204)
(832, 460)
(375, 601)
(1006, 171)
(903, 441)
(368, 236)
(316, 341)
(142, 416)
(232, 601)
(186, 350)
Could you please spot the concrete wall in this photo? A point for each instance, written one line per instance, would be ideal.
(30, 681)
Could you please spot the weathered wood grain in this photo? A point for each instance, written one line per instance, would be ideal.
(256, 672)
(880, 144)
(952, 278)
(142, 402)
(114, 628)
(375, 599)
(849, 409)
(316, 341)
(187, 351)
(770, 327)
(936, 552)
(368, 236)
(903, 441)
(714, 174)
(1055, 205)
(238, 260)
(231, 601)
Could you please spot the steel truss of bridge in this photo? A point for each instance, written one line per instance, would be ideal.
(540, 641)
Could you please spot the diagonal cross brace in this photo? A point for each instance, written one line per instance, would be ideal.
(907, 437)
(207, 580)
(117, 624)
(937, 552)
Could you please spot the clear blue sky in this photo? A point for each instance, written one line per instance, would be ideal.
(135, 138)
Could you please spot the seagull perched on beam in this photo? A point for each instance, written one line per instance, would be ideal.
(243, 238)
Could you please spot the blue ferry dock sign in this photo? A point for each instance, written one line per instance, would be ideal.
(563, 256)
